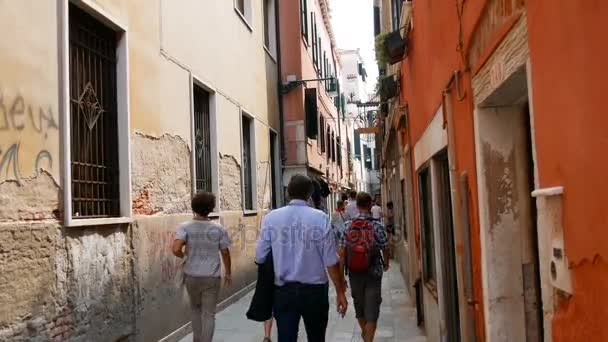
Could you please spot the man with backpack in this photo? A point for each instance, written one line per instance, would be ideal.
(364, 253)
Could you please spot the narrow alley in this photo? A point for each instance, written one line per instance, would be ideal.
(148, 149)
(397, 318)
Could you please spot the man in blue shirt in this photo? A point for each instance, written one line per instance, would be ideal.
(304, 252)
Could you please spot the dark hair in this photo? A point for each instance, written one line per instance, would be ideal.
(364, 200)
(344, 197)
(299, 187)
(353, 194)
(389, 205)
(340, 203)
(203, 203)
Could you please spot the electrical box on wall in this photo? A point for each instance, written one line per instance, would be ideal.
(552, 251)
(560, 272)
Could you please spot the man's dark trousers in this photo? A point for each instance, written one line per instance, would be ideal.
(309, 302)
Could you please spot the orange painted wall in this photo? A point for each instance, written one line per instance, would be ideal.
(569, 72)
(568, 53)
(431, 61)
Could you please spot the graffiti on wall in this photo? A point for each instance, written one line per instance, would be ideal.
(160, 254)
(17, 116)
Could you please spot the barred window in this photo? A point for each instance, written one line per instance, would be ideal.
(248, 145)
(94, 154)
(202, 140)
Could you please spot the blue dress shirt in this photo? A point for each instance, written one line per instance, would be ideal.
(302, 242)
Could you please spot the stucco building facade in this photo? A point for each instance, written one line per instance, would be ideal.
(312, 103)
(498, 135)
(112, 113)
(360, 112)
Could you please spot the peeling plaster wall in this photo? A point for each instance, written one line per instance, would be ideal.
(230, 183)
(28, 285)
(161, 174)
(100, 284)
(65, 285)
(35, 198)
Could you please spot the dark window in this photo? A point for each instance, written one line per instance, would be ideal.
(315, 47)
(377, 27)
(267, 24)
(328, 137)
(322, 136)
(339, 152)
(426, 221)
(319, 56)
(368, 157)
(240, 6)
(273, 174)
(396, 13)
(312, 113)
(304, 18)
(348, 153)
(93, 117)
(247, 163)
(333, 146)
(357, 145)
(202, 136)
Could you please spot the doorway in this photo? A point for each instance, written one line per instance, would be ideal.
(511, 278)
(448, 250)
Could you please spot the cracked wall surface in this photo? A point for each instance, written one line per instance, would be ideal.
(264, 185)
(160, 174)
(230, 183)
(36, 198)
(65, 285)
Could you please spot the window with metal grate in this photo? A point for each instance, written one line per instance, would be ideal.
(202, 140)
(93, 117)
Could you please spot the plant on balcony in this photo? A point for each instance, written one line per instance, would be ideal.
(389, 88)
(390, 48)
(381, 56)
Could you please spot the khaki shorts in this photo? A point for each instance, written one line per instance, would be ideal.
(366, 291)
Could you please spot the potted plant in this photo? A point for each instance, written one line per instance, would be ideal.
(389, 87)
(381, 56)
(394, 46)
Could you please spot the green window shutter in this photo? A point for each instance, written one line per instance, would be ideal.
(313, 25)
(311, 112)
(304, 17)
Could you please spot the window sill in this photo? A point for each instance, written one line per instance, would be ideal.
(240, 15)
(270, 54)
(250, 212)
(99, 222)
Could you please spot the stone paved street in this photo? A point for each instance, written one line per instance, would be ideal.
(397, 319)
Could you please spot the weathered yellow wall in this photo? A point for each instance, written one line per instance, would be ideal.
(29, 118)
(102, 268)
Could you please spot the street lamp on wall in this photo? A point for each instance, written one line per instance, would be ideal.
(292, 83)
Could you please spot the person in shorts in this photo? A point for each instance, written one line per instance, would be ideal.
(366, 286)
